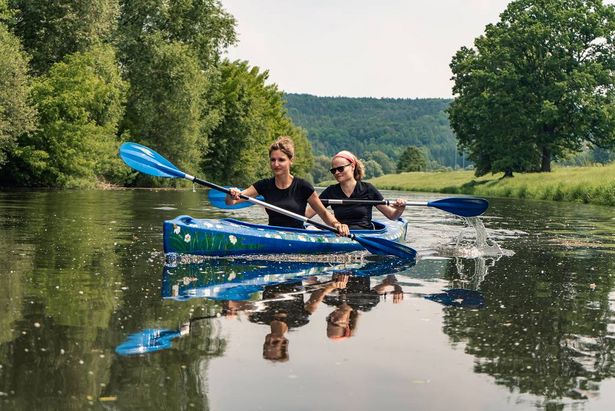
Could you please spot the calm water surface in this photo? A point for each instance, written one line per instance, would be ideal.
(81, 272)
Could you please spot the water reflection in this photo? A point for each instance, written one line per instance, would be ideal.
(284, 295)
(81, 273)
(548, 332)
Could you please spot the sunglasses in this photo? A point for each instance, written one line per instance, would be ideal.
(338, 169)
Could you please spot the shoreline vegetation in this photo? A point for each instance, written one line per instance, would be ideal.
(589, 185)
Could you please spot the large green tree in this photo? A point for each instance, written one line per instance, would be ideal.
(51, 30)
(17, 116)
(170, 52)
(537, 85)
(80, 102)
(252, 117)
(412, 159)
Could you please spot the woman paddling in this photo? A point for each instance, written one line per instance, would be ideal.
(348, 171)
(286, 191)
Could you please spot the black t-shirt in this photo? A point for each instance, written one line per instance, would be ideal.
(293, 198)
(356, 216)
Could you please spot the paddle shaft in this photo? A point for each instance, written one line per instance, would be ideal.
(370, 202)
(266, 205)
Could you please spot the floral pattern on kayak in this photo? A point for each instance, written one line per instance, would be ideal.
(187, 242)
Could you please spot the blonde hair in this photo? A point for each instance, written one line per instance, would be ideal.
(359, 168)
(285, 145)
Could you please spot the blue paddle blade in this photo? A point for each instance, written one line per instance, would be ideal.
(147, 341)
(217, 199)
(463, 206)
(382, 246)
(459, 297)
(147, 161)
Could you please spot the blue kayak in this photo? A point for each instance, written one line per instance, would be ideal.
(227, 236)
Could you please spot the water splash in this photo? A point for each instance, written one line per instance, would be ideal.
(475, 244)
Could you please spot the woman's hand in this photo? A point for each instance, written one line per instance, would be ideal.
(399, 203)
(234, 193)
(342, 229)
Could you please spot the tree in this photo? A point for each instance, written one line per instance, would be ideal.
(538, 84)
(80, 102)
(372, 169)
(17, 116)
(252, 117)
(412, 159)
(388, 166)
(170, 52)
(51, 30)
(320, 170)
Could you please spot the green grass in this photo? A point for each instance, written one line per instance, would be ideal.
(595, 185)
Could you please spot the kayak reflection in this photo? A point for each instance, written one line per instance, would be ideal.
(284, 295)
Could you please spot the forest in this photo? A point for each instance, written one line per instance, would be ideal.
(369, 125)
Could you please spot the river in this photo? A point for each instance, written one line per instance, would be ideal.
(83, 271)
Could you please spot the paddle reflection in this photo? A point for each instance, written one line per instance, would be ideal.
(284, 295)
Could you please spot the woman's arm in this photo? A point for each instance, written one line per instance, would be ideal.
(309, 211)
(394, 211)
(233, 197)
(327, 217)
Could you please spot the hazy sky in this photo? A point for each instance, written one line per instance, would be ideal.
(359, 48)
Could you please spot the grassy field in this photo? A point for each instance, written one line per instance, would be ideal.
(595, 185)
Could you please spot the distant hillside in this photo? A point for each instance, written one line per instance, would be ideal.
(365, 125)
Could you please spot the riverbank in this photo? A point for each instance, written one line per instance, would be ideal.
(593, 185)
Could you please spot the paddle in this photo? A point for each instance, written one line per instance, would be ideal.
(218, 200)
(147, 161)
(461, 206)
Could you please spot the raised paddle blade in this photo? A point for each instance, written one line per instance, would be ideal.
(463, 206)
(218, 199)
(147, 161)
(381, 246)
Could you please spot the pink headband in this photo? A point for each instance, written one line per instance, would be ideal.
(345, 157)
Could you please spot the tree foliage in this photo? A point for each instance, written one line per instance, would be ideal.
(252, 117)
(412, 159)
(537, 85)
(170, 51)
(51, 30)
(367, 125)
(372, 169)
(17, 116)
(80, 102)
(387, 165)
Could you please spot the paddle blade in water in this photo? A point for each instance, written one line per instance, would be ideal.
(217, 199)
(463, 206)
(147, 161)
(147, 341)
(459, 297)
(383, 246)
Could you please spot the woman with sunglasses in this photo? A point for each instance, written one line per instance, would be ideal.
(348, 171)
(286, 191)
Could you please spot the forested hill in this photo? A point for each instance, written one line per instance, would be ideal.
(366, 125)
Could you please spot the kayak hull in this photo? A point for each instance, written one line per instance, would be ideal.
(227, 237)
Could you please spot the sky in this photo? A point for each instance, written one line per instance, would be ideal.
(359, 48)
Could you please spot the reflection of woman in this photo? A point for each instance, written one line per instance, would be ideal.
(288, 312)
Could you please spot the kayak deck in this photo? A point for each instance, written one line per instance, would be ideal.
(224, 237)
